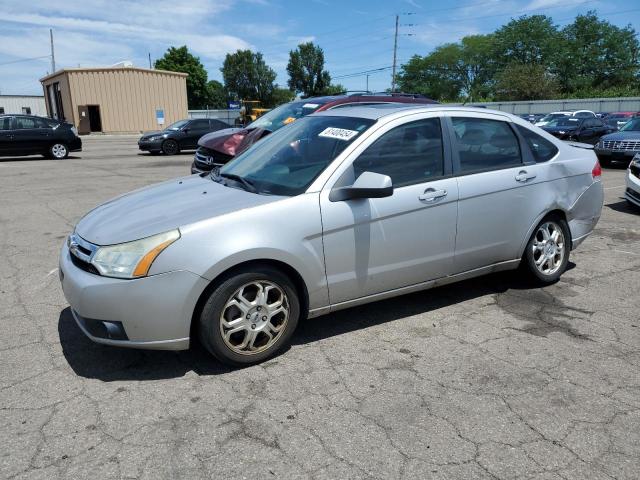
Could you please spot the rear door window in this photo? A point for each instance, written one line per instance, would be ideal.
(541, 148)
(5, 123)
(199, 125)
(485, 144)
(26, 122)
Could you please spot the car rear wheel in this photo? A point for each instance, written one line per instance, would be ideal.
(547, 253)
(250, 316)
(170, 147)
(58, 151)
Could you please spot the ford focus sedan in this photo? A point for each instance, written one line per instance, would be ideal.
(337, 209)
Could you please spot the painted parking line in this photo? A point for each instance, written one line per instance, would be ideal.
(617, 186)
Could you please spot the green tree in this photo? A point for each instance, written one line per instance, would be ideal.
(178, 59)
(280, 96)
(216, 95)
(598, 55)
(525, 82)
(306, 70)
(334, 89)
(528, 39)
(477, 66)
(247, 76)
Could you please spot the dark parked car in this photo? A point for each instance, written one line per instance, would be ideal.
(30, 135)
(181, 135)
(586, 130)
(218, 148)
(620, 146)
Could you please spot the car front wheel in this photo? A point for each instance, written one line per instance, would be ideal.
(170, 147)
(250, 316)
(547, 253)
(58, 151)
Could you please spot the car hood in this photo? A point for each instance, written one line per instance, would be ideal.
(622, 136)
(163, 207)
(146, 135)
(225, 141)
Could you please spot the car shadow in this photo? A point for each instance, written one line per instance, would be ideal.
(623, 206)
(91, 360)
(33, 158)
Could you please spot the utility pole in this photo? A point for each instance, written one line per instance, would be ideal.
(53, 55)
(395, 52)
(367, 83)
(150, 67)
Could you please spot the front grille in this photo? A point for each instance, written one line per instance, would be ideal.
(633, 194)
(622, 145)
(82, 265)
(207, 158)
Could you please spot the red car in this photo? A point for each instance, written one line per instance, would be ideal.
(217, 148)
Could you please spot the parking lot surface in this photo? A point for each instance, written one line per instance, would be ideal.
(490, 378)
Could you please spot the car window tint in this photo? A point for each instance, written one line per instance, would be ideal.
(541, 148)
(583, 115)
(218, 124)
(199, 124)
(25, 122)
(42, 123)
(485, 144)
(409, 154)
(5, 123)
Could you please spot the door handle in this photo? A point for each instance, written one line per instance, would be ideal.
(523, 176)
(431, 194)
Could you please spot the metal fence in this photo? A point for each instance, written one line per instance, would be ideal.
(227, 116)
(620, 104)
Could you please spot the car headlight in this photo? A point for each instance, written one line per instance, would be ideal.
(154, 138)
(132, 259)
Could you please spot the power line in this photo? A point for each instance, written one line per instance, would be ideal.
(25, 60)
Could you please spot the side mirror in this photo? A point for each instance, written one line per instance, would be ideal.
(367, 185)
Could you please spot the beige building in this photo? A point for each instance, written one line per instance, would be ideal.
(116, 99)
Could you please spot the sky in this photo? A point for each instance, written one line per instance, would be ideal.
(356, 35)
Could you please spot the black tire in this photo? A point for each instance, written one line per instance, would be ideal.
(209, 323)
(529, 258)
(170, 147)
(58, 151)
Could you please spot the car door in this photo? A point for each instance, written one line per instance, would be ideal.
(375, 245)
(31, 135)
(496, 185)
(193, 131)
(7, 146)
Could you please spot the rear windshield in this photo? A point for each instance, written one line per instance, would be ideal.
(284, 114)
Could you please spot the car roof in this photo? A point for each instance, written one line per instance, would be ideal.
(375, 112)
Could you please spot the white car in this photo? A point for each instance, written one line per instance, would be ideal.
(632, 193)
(555, 115)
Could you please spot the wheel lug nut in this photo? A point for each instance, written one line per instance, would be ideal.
(264, 319)
(248, 316)
(259, 308)
(253, 326)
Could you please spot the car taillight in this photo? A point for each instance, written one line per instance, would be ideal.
(596, 173)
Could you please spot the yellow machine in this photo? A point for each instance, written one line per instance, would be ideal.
(250, 110)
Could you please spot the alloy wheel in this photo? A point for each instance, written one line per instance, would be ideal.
(548, 248)
(59, 151)
(254, 317)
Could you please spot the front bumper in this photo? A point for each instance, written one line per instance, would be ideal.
(75, 145)
(195, 168)
(632, 193)
(147, 146)
(622, 155)
(152, 312)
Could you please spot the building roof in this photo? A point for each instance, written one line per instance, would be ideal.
(111, 69)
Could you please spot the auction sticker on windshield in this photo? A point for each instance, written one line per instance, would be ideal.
(338, 133)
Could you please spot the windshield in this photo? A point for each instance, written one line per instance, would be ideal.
(284, 114)
(286, 162)
(564, 122)
(178, 125)
(553, 116)
(631, 126)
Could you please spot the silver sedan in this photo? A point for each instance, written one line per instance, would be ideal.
(337, 209)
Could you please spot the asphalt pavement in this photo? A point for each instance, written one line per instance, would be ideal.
(490, 378)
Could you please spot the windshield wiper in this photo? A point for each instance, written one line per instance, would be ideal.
(248, 185)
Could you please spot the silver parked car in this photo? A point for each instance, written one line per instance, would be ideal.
(337, 209)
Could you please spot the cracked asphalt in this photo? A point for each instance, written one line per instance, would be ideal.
(487, 379)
